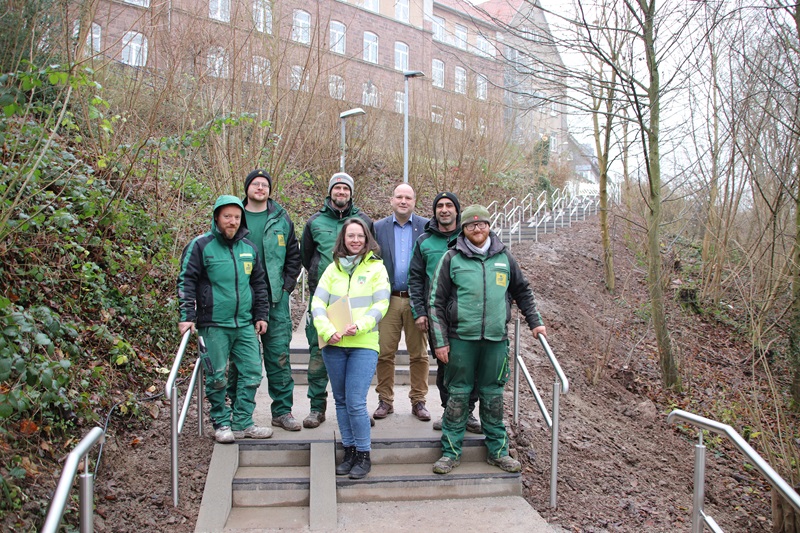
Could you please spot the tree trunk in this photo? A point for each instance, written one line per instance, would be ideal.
(785, 518)
(794, 321)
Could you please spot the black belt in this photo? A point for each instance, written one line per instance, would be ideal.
(401, 294)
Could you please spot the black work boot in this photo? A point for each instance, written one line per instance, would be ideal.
(347, 463)
(362, 467)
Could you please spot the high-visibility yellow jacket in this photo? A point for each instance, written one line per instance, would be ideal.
(368, 289)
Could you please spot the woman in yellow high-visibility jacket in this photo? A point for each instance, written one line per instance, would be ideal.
(352, 355)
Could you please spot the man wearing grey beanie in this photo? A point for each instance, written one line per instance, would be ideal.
(316, 250)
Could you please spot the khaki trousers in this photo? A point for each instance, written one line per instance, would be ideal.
(399, 319)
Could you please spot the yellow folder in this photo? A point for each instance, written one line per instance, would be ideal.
(340, 315)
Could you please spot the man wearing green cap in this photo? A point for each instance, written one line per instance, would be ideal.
(469, 312)
(222, 292)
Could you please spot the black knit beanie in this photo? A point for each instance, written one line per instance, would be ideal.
(452, 198)
(258, 173)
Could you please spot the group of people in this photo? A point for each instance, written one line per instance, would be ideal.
(447, 282)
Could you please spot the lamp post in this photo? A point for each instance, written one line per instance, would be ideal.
(342, 116)
(407, 74)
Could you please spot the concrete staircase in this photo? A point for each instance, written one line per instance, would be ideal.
(288, 482)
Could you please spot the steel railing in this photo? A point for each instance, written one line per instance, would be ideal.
(171, 392)
(560, 386)
(85, 486)
(699, 517)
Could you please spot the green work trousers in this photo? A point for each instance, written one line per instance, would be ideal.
(317, 373)
(482, 364)
(240, 345)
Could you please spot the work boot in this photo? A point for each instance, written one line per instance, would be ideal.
(420, 411)
(445, 465)
(474, 425)
(438, 424)
(224, 435)
(362, 465)
(253, 432)
(506, 462)
(384, 409)
(343, 468)
(314, 419)
(287, 422)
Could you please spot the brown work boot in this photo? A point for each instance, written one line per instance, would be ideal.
(420, 411)
(445, 465)
(384, 409)
(287, 422)
(474, 425)
(506, 462)
(314, 419)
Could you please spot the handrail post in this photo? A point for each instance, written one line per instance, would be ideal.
(554, 445)
(699, 484)
(516, 371)
(173, 449)
(86, 499)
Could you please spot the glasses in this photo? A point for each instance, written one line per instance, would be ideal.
(354, 237)
(260, 185)
(476, 225)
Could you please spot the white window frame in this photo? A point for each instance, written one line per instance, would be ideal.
(262, 15)
(301, 26)
(338, 37)
(261, 70)
(553, 142)
(370, 95)
(336, 87)
(373, 5)
(370, 54)
(401, 10)
(481, 87)
(217, 62)
(482, 46)
(437, 114)
(554, 108)
(142, 3)
(481, 126)
(438, 27)
(437, 73)
(401, 54)
(93, 40)
(298, 78)
(399, 101)
(460, 37)
(134, 49)
(460, 80)
(459, 121)
(219, 10)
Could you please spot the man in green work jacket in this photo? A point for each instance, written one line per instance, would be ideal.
(470, 306)
(222, 291)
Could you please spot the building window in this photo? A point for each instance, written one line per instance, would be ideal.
(373, 5)
(301, 27)
(217, 62)
(298, 79)
(458, 121)
(370, 47)
(262, 15)
(134, 49)
(219, 10)
(400, 56)
(437, 69)
(554, 109)
(482, 46)
(399, 101)
(460, 37)
(336, 87)
(337, 36)
(461, 80)
(143, 3)
(481, 87)
(369, 96)
(401, 10)
(93, 38)
(437, 114)
(261, 71)
(553, 142)
(481, 126)
(438, 29)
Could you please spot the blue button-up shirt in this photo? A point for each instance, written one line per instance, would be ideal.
(403, 247)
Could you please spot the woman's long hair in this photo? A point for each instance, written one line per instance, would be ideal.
(370, 244)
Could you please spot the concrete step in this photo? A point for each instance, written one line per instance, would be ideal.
(251, 519)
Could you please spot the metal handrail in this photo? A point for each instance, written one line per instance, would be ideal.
(497, 223)
(699, 517)
(513, 202)
(171, 392)
(85, 486)
(560, 386)
(492, 207)
(515, 225)
(527, 201)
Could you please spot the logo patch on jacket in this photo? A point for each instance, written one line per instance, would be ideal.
(281, 240)
(501, 279)
(361, 280)
(248, 267)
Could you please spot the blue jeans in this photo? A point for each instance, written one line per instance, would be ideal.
(350, 371)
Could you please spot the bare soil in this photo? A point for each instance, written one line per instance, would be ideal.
(621, 468)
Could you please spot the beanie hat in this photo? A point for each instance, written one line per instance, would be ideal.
(343, 178)
(450, 196)
(258, 173)
(475, 213)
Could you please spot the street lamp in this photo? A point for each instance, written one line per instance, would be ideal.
(342, 116)
(407, 74)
